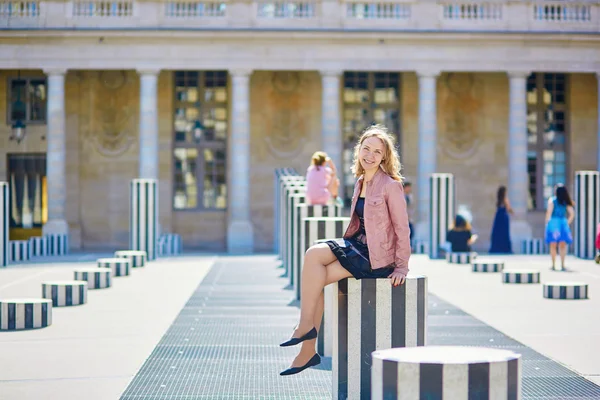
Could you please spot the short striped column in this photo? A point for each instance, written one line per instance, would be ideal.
(65, 293)
(19, 250)
(143, 216)
(487, 265)
(119, 266)
(460, 257)
(533, 246)
(169, 244)
(419, 247)
(566, 290)
(58, 244)
(521, 276)
(587, 217)
(39, 246)
(279, 174)
(4, 219)
(286, 181)
(19, 314)
(293, 242)
(287, 230)
(441, 214)
(137, 258)
(369, 315)
(446, 372)
(97, 278)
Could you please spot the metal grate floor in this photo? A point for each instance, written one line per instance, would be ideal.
(224, 344)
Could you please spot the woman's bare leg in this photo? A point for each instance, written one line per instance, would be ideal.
(553, 253)
(562, 247)
(334, 273)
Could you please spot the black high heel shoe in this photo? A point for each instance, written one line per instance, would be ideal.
(315, 360)
(294, 341)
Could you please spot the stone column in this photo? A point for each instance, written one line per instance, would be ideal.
(331, 132)
(427, 147)
(148, 163)
(240, 234)
(56, 154)
(598, 127)
(518, 179)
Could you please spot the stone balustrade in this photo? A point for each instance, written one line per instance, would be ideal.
(432, 15)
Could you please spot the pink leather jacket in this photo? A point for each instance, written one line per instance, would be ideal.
(386, 222)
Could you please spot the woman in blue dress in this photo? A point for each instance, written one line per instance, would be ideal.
(559, 216)
(500, 240)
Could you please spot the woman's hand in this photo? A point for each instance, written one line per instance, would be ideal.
(397, 278)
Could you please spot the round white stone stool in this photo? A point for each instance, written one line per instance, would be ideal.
(137, 257)
(97, 278)
(119, 266)
(18, 314)
(65, 293)
(566, 290)
(461, 258)
(445, 372)
(487, 265)
(521, 276)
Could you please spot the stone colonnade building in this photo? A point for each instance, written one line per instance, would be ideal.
(210, 96)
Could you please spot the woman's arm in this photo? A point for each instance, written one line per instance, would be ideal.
(549, 209)
(570, 214)
(396, 203)
(508, 207)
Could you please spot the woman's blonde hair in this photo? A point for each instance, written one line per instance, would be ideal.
(390, 163)
(319, 158)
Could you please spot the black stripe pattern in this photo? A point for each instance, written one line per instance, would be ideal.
(39, 246)
(137, 258)
(487, 266)
(419, 246)
(280, 173)
(169, 244)
(461, 258)
(369, 315)
(19, 314)
(533, 246)
(526, 277)
(119, 266)
(97, 278)
(285, 182)
(566, 291)
(446, 372)
(587, 217)
(58, 244)
(143, 216)
(19, 250)
(292, 243)
(442, 202)
(67, 293)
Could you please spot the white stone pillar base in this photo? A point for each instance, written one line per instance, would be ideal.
(240, 237)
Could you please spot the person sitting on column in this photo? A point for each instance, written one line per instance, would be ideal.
(378, 212)
(460, 236)
(559, 215)
(321, 181)
(500, 239)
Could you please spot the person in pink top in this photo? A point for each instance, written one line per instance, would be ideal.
(321, 180)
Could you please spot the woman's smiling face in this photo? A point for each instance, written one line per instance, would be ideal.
(371, 153)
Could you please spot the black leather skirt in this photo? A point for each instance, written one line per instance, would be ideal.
(353, 255)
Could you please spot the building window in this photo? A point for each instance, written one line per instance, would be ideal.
(27, 100)
(547, 136)
(369, 98)
(28, 204)
(200, 139)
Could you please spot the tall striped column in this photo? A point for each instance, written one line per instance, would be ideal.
(369, 315)
(291, 189)
(143, 216)
(287, 181)
(292, 242)
(446, 372)
(587, 216)
(441, 213)
(4, 237)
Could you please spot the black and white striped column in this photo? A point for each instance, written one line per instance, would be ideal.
(287, 215)
(119, 266)
(137, 258)
(587, 217)
(279, 174)
(19, 250)
(369, 315)
(19, 314)
(446, 372)
(487, 265)
(4, 219)
(566, 290)
(441, 213)
(39, 246)
(169, 244)
(58, 244)
(293, 241)
(143, 216)
(533, 246)
(419, 247)
(65, 293)
(97, 278)
(461, 258)
(287, 181)
(521, 276)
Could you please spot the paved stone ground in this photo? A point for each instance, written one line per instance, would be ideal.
(224, 343)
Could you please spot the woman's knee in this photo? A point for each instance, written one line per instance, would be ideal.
(319, 252)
